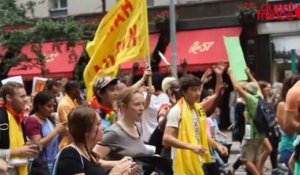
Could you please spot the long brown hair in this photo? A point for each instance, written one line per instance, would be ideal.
(80, 120)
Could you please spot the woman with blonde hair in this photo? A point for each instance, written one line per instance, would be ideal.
(124, 137)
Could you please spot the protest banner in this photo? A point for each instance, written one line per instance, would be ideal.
(236, 58)
(122, 35)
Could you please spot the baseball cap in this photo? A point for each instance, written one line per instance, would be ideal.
(103, 81)
(166, 83)
(252, 88)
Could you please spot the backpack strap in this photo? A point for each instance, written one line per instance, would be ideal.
(4, 129)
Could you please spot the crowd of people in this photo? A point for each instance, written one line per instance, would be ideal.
(129, 127)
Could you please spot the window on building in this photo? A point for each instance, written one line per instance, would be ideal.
(59, 4)
(150, 3)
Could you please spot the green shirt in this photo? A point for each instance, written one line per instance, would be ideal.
(251, 106)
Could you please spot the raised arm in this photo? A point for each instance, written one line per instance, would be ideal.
(211, 104)
(146, 75)
(235, 84)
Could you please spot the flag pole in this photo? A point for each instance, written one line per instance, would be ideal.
(173, 37)
(148, 62)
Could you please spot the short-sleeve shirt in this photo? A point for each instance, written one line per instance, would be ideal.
(149, 121)
(70, 162)
(123, 144)
(174, 119)
(251, 106)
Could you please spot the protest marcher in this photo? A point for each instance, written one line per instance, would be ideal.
(253, 140)
(291, 115)
(286, 141)
(12, 134)
(40, 129)
(191, 143)
(77, 158)
(124, 137)
(105, 91)
(271, 141)
(170, 86)
(54, 87)
(68, 102)
(157, 98)
(238, 128)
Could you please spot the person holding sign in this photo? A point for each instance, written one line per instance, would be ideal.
(252, 144)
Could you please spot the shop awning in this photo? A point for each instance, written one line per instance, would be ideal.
(60, 60)
(201, 48)
(153, 38)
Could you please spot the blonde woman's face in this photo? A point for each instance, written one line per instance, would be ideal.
(135, 107)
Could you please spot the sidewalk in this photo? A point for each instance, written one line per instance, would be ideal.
(235, 153)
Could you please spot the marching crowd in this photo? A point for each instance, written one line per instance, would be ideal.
(127, 127)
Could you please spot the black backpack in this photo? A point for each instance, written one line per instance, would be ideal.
(265, 119)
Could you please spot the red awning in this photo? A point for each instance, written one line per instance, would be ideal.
(60, 60)
(153, 38)
(201, 48)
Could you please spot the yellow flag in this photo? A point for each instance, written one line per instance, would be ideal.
(122, 35)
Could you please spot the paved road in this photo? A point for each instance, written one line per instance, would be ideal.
(235, 152)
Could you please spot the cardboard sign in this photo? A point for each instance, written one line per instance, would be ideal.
(236, 58)
(38, 84)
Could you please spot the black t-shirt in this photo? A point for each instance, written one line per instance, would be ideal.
(70, 163)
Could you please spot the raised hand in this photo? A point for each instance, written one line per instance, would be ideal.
(229, 71)
(147, 73)
(219, 68)
(61, 127)
(206, 76)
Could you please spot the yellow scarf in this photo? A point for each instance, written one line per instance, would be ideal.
(186, 162)
(16, 140)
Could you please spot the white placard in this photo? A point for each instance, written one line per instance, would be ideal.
(17, 79)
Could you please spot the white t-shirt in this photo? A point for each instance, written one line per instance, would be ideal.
(174, 119)
(149, 119)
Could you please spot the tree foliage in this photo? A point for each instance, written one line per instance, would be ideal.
(36, 31)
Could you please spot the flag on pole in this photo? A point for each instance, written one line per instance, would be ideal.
(122, 35)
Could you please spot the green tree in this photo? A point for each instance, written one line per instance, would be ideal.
(36, 31)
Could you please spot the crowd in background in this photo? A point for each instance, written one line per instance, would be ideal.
(129, 127)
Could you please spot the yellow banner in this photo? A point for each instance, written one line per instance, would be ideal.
(122, 35)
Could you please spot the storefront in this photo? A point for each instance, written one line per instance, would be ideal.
(283, 38)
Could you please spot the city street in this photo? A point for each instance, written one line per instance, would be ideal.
(234, 154)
